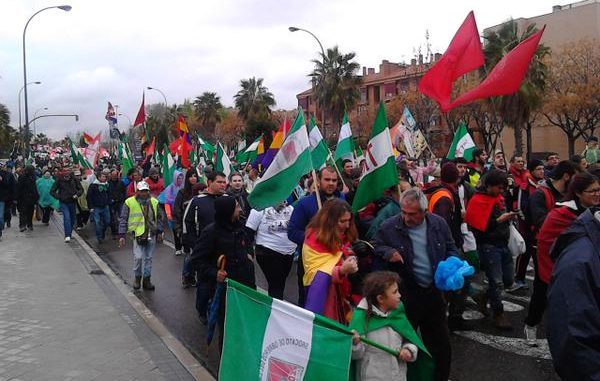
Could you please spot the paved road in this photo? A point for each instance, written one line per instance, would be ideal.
(482, 353)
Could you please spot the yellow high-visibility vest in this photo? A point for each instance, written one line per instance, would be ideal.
(135, 223)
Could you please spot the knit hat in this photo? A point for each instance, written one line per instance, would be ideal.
(533, 164)
(449, 173)
(153, 171)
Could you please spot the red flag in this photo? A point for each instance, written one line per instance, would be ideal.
(508, 74)
(150, 148)
(286, 127)
(141, 115)
(463, 55)
(182, 148)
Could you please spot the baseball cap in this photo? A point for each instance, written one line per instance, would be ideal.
(142, 185)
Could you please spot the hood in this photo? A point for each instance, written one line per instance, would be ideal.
(176, 174)
(363, 305)
(587, 224)
(224, 207)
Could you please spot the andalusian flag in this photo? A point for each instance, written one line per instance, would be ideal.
(223, 164)
(462, 144)
(125, 158)
(345, 144)
(318, 148)
(249, 154)
(208, 148)
(380, 171)
(269, 339)
(289, 165)
(168, 166)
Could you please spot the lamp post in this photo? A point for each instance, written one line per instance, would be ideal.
(34, 116)
(295, 29)
(30, 83)
(164, 96)
(65, 8)
(126, 116)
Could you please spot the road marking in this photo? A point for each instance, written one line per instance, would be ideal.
(509, 344)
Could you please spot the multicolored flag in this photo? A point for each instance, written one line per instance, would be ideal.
(292, 161)
(380, 168)
(278, 139)
(111, 115)
(276, 340)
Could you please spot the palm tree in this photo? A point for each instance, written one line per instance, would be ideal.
(254, 101)
(517, 109)
(336, 83)
(7, 133)
(207, 108)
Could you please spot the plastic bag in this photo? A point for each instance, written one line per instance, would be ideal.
(450, 274)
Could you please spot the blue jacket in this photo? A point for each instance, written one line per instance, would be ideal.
(97, 198)
(393, 236)
(573, 314)
(304, 211)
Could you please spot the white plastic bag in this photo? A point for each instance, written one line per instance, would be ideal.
(516, 243)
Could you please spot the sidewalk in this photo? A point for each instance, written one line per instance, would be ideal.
(62, 319)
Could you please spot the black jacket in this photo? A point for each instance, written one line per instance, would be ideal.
(64, 190)
(117, 191)
(26, 190)
(538, 209)
(242, 198)
(7, 186)
(97, 198)
(199, 213)
(573, 314)
(393, 236)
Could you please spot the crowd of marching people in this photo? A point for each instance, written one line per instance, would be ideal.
(500, 216)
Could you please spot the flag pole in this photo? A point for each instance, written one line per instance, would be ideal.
(316, 184)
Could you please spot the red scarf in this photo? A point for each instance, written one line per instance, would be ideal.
(480, 208)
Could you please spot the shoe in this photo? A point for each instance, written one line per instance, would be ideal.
(67, 239)
(178, 253)
(530, 335)
(46, 223)
(30, 228)
(459, 323)
(501, 322)
(147, 284)
(481, 300)
(137, 283)
(516, 286)
(22, 229)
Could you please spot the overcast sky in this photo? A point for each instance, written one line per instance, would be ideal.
(110, 50)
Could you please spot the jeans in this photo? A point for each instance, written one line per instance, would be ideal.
(2, 205)
(142, 258)
(115, 213)
(69, 216)
(276, 267)
(101, 221)
(497, 263)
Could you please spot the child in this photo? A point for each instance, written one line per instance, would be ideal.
(381, 316)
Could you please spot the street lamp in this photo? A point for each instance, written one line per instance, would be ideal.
(30, 83)
(295, 29)
(163, 94)
(34, 115)
(65, 8)
(126, 116)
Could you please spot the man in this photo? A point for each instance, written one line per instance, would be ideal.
(347, 166)
(140, 217)
(518, 171)
(574, 301)
(550, 192)
(552, 160)
(83, 211)
(413, 243)
(98, 200)
(236, 189)
(135, 176)
(477, 166)
(199, 213)
(67, 190)
(487, 217)
(591, 152)
(499, 162)
(7, 189)
(155, 183)
(118, 193)
(251, 181)
(391, 208)
(305, 210)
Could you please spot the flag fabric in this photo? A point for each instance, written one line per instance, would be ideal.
(318, 148)
(419, 143)
(89, 139)
(462, 144)
(73, 149)
(345, 144)
(181, 147)
(90, 153)
(508, 74)
(183, 129)
(380, 172)
(125, 159)
(241, 146)
(463, 55)
(402, 134)
(249, 154)
(81, 159)
(223, 164)
(278, 139)
(289, 165)
(141, 115)
(260, 154)
(168, 166)
(208, 148)
(111, 115)
(359, 153)
(276, 340)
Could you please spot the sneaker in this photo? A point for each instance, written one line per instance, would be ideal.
(67, 239)
(516, 286)
(22, 229)
(30, 228)
(178, 253)
(530, 335)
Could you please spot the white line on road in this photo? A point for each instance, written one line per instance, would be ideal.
(509, 344)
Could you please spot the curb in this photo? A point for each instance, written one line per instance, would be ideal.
(182, 354)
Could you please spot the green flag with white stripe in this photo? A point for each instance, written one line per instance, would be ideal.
(345, 144)
(269, 339)
(462, 144)
(223, 163)
(318, 149)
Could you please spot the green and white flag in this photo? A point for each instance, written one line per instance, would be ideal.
(208, 148)
(223, 163)
(345, 144)
(168, 165)
(318, 149)
(125, 158)
(380, 172)
(269, 339)
(291, 162)
(360, 155)
(462, 144)
(249, 154)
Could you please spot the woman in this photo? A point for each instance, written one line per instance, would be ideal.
(236, 189)
(274, 251)
(27, 196)
(46, 201)
(168, 197)
(328, 260)
(583, 193)
(182, 200)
